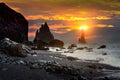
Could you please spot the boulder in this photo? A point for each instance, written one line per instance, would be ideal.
(80, 48)
(56, 43)
(104, 53)
(43, 34)
(13, 25)
(15, 49)
(5, 44)
(102, 47)
(72, 46)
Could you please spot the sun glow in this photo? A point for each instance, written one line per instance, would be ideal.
(83, 27)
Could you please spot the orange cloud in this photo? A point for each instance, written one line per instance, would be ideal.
(34, 26)
(16, 8)
(68, 17)
(105, 25)
(31, 34)
(35, 17)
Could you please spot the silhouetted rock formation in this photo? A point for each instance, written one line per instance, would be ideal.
(44, 38)
(82, 38)
(44, 34)
(12, 25)
(56, 43)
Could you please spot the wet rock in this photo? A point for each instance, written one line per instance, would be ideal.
(62, 70)
(71, 58)
(58, 50)
(82, 78)
(13, 25)
(21, 62)
(81, 48)
(63, 48)
(56, 43)
(89, 49)
(86, 47)
(66, 51)
(104, 53)
(102, 47)
(72, 46)
(92, 66)
(34, 66)
(69, 51)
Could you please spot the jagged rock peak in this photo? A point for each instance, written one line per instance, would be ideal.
(44, 27)
(44, 34)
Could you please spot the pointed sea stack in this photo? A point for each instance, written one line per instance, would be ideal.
(43, 34)
(45, 38)
(13, 25)
(82, 38)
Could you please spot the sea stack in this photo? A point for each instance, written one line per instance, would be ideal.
(43, 34)
(13, 25)
(44, 37)
(82, 38)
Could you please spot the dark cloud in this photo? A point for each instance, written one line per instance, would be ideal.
(114, 22)
(50, 22)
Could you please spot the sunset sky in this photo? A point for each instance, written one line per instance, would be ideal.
(66, 16)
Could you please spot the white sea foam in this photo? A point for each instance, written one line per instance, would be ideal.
(109, 55)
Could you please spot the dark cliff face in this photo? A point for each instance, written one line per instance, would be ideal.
(44, 34)
(12, 24)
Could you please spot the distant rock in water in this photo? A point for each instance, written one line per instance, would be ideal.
(72, 46)
(102, 47)
(82, 38)
(43, 34)
(13, 25)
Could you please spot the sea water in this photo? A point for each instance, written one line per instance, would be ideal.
(109, 55)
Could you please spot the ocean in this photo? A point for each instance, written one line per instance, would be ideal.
(109, 55)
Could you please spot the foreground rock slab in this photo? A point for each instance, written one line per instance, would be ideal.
(15, 49)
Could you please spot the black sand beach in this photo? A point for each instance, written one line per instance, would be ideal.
(47, 65)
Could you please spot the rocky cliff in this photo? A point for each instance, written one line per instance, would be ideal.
(13, 25)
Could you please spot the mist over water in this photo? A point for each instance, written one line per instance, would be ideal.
(111, 57)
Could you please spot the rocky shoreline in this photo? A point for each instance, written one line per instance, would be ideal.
(56, 65)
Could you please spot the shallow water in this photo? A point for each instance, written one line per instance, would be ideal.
(109, 55)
